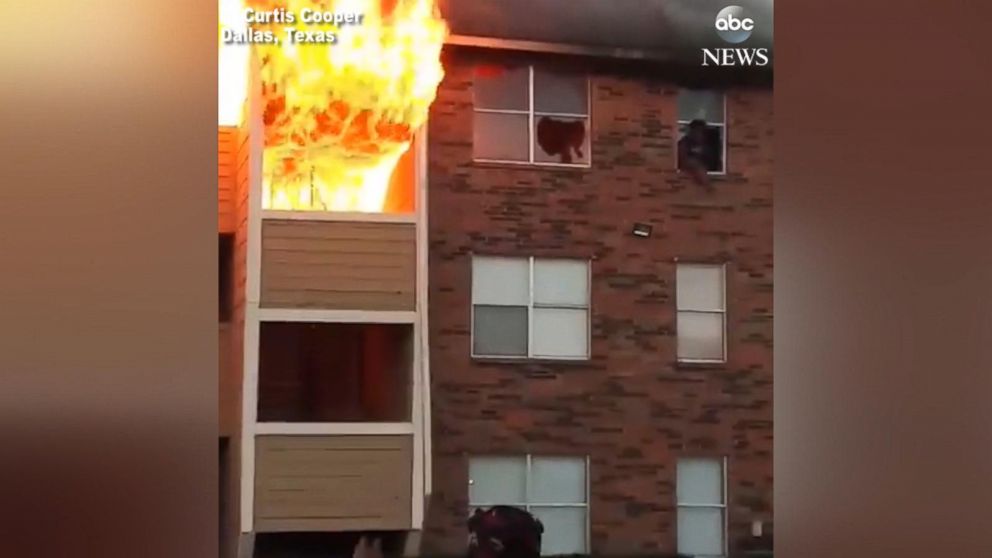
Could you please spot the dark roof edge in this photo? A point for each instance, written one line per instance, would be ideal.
(557, 48)
(689, 75)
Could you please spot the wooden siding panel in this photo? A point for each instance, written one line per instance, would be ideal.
(333, 483)
(231, 338)
(232, 334)
(232, 218)
(227, 146)
(241, 206)
(338, 265)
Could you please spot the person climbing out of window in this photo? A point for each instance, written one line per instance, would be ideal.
(694, 153)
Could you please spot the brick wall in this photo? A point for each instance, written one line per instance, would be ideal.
(631, 408)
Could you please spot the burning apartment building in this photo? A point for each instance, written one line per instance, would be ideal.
(461, 268)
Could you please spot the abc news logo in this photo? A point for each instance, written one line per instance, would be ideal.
(733, 26)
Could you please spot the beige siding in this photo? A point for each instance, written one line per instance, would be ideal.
(226, 177)
(233, 363)
(232, 335)
(338, 265)
(240, 205)
(333, 483)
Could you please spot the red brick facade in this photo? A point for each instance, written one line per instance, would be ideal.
(631, 408)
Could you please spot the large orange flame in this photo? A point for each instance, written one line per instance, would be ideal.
(339, 116)
(232, 65)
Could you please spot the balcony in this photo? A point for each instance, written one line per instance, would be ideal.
(333, 406)
(335, 445)
(334, 373)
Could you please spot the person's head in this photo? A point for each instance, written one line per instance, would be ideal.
(697, 129)
(504, 532)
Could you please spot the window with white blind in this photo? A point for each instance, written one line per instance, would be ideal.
(553, 489)
(530, 308)
(702, 507)
(710, 107)
(701, 312)
(530, 115)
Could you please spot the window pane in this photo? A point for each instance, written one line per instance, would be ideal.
(497, 480)
(561, 140)
(699, 287)
(502, 88)
(700, 336)
(699, 481)
(560, 332)
(704, 105)
(561, 282)
(700, 531)
(564, 530)
(501, 281)
(502, 137)
(558, 480)
(500, 331)
(558, 92)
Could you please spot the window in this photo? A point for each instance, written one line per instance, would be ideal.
(701, 312)
(530, 308)
(530, 115)
(702, 506)
(554, 489)
(710, 107)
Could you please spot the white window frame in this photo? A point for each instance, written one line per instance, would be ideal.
(531, 114)
(723, 507)
(531, 305)
(472, 506)
(722, 125)
(723, 313)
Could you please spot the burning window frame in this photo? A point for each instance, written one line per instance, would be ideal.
(341, 128)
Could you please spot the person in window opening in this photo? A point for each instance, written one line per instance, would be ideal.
(694, 153)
